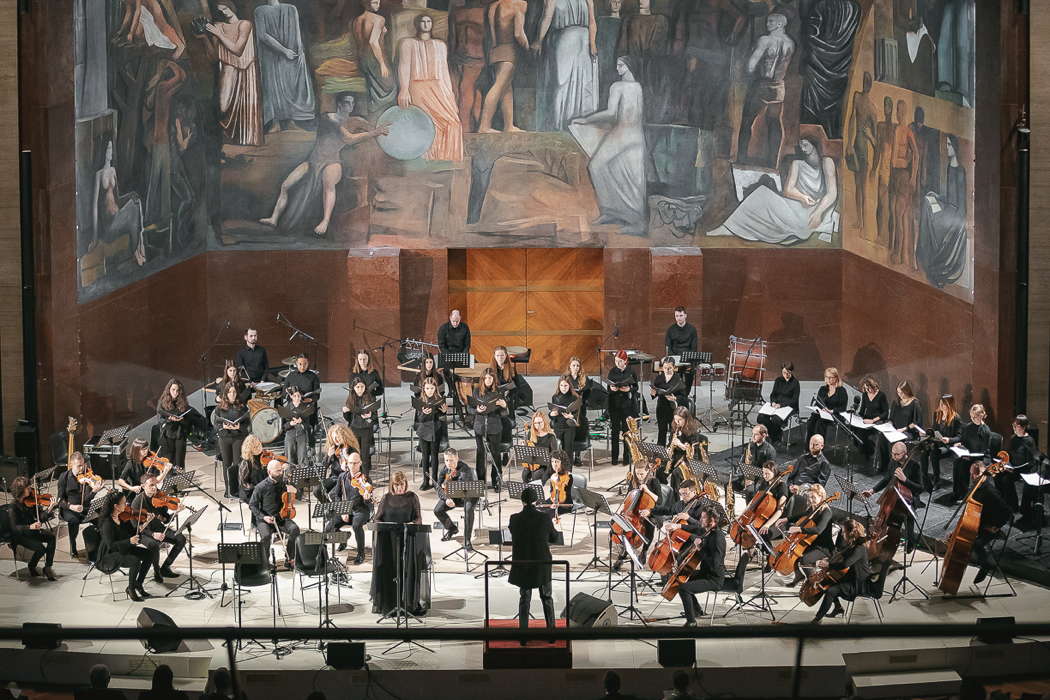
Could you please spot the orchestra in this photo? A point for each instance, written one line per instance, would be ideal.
(678, 507)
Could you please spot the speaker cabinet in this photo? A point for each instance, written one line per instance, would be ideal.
(345, 655)
(676, 653)
(587, 611)
(151, 618)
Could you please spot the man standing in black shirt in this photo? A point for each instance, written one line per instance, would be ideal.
(681, 336)
(265, 504)
(252, 357)
(454, 470)
(1025, 457)
(812, 467)
(454, 335)
(154, 533)
(532, 533)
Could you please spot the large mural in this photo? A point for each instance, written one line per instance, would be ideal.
(284, 124)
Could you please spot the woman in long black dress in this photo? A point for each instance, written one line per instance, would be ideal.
(400, 506)
(565, 408)
(832, 396)
(852, 554)
(582, 384)
(429, 370)
(905, 416)
(490, 407)
(173, 415)
(874, 408)
(784, 393)
(670, 392)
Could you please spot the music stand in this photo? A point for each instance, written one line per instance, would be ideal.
(631, 610)
(241, 553)
(901, 587)
(695, 359)
(94, 509)
(452, 361)
(596, 503)
(765, 601)
(302, 477)
(324, 539)
(528, 454)
(400, 612)
(195, 590)
(177, 481)
(466, 490)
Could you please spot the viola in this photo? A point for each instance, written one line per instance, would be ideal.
(165, 500)
(287, 505)
(817, 583)
(762, 507)
(790, 549)
(559, 488)
(267, 456)
(35, 499)
(363, 486)
(960, 544)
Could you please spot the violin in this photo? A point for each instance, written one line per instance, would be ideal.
(165, 500)
(559, 489)
(267, 456)
(129, 514)
(35, 499)
(89, 478)
(363, 486)
(762, 507)
(790, 549)
(960, 544)
(287, 511)
(154, 461)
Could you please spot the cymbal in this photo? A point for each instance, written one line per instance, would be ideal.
(284, 373)
(290, 360)
(516, 350)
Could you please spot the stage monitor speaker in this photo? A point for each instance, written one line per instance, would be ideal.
(10, 467)
(676, 653)
(52, 643)
(25, 445)
(345, 655)
(995, 638)
(149, 619)
(587, 611)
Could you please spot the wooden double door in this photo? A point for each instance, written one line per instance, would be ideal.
(549, 299)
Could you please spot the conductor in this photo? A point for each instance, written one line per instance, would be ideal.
(532, 533)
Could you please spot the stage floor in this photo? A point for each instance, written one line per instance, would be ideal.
(458, 599)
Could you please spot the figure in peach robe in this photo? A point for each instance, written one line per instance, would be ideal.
(422, 72)
(240, 103)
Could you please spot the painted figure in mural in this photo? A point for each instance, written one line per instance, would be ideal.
(955, 52)
(287, 91)
(145, 21)
(568, 85)
(904, 175)
(167, 80)
(313, 181)
(116, 214)
(240, 109)
(828, 33)
(369, 30)
(422, 72)
(466, 55)
(916, 50)
(644, 38)
(607, 37)
(767, 67)
(882, 166)
(704, 31)
(929, 141)
(859, 136)
(615, 142)
(942, 247)
(807, 204)
(506, 22)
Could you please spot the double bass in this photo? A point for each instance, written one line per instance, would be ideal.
(789, 550)
(762, 507)
(885, 531)
(960, 544)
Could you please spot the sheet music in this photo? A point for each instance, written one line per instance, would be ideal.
(782, 413)
(1034, 479)
(891, 433)
(855, 421)
(961, 451)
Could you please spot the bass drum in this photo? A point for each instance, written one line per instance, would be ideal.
(266, 424)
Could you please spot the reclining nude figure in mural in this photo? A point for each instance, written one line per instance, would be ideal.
(806, 206)
(116, 214)
(316, 177)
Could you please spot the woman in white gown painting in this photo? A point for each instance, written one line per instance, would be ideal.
(807, 204)
(614, 141)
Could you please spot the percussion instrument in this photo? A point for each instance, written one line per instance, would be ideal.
(747, 368)
(289, 361)
(266, 422)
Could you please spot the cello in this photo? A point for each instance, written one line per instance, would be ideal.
(818, 582)
(960, 544)
(789, 550)
(762, 507)
(665, 552)
(637, 499)
(684, 568)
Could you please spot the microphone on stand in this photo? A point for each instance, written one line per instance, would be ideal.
(856, 403)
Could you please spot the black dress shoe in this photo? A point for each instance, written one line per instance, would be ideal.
(32, 571)
(158, 578)
(838, 610)
(359, 559)
(982, 574)
(49, 573)
(341, 547)
(142, 592)
(166, 572)
(133, 594)
(449, 534)
(426, 486)
(690, 623)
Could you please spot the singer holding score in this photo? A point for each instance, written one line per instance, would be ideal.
(783, 395)
(832, 398)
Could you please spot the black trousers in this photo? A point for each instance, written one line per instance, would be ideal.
(357, 522)
(982, 549)
(137, 560)
(774, 425)
(230, 455)
(297, 445)
(690, 588)
(525, 602)
(491, 444)
(834, 593)
(817, 426)
(365, 438)
(73, 520)
(932, 465)
(266, 533)
(431, 457)
(441, 512)
(1006, 482)
(173, 448)
(41, 543)
(618, 425)
(567, 439)
(663, 430)
(177, 542)
(961, 477)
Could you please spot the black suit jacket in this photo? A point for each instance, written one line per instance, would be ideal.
(713, 556)
(532, 533)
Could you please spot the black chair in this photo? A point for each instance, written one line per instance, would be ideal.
(876, 587)
(7, 537)
(311, 561)
(584, 445)
(731, 584)
(99, 562)
(57, 444)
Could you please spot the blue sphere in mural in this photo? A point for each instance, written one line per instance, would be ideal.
(411, 132)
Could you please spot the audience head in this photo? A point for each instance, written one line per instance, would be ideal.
(680, 680)
(163, 678)
(99, 676)
(222, 680)
(611, 682)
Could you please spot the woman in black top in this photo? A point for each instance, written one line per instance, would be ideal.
(685, 431)
(784, 393)
(119, 546)
(850, 553)
(251, 470)
(874, 408)
(976, 437)
(1025, 456)
(364, 370)
(391, 554)
(429, 369)
(231, 421)
(29, 529)
(670, 392)
(540, 434)
(582, 384)
(506, 374)
(623, 388)
(945, 422)
(906, 416)
(172, 411)
(361, 420)
(794, 514)
(832, 396)
(490, 407)
(560, 484)
(338, 439)
(135, 470)
(231, 375)
(430, 427)
(564, 418)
